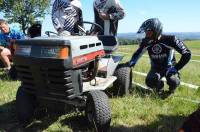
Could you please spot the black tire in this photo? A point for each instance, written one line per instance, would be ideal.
(25, 106)
(123, 84)
(56, 107)
(98, 111)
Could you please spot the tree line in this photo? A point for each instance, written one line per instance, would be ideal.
(123, 41)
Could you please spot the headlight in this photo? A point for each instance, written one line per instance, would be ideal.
(58, 52)
(24, 50)
(55, 52)
(63, 53)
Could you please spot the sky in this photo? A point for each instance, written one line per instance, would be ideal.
(176, 15)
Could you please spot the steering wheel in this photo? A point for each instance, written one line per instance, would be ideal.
(85, 32)
(81, 29)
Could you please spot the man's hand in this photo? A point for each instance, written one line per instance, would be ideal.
(129, 64)
(104, 16)
(171, 71)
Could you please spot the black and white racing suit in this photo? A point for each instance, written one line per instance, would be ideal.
(67, 15)
(115, 12)
(161, 53)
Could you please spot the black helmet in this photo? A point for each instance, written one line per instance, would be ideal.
(152, 24)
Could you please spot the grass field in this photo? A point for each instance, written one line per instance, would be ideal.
(142, 111)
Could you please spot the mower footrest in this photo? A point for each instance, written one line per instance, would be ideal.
(99, 84)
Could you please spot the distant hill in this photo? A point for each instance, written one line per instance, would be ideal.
(181, 35)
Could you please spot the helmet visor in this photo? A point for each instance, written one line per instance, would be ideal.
(144, 29)
(140, 36)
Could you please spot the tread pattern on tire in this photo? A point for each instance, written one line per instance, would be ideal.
(25, 105)
(124, 80)
(102, 109)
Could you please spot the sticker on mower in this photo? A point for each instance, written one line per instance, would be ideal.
(50, 52)
(87, 57)
(24, 50)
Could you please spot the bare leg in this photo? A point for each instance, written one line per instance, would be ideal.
(4, 56)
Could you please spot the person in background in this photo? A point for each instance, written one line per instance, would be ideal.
(67, 16)
(7, 37)
(161, 53)
(107, 13)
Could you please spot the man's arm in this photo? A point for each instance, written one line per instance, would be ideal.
(184, 51)
(94, 29)
(54, 15)
(117, 12)
(138, 53)
(59, 4)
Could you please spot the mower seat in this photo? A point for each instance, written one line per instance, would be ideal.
(110, 43)
(35, 30)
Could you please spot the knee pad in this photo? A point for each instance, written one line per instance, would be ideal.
(152, 81)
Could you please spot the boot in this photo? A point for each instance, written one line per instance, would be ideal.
(160, 88)
(171, 89)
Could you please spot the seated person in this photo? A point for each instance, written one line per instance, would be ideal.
(66, 16)
(7, 37)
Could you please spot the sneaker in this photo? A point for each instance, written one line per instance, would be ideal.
(171, 90)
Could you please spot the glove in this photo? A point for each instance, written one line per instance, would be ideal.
(171, 71)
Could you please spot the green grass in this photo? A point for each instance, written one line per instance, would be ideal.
(142, 111)
(193, 44)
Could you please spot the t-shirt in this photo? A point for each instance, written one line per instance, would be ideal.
(14, 34)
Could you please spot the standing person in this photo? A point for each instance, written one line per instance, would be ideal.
(107, 13)
(7, 36)
(67, 15)
(161, 53)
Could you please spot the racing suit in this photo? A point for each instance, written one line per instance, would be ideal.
(115, 12)
(162, 57)
(67, 15)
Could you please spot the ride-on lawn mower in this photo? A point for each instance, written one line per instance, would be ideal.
(70, 70)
